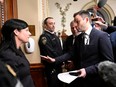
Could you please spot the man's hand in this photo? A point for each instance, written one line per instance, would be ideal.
(47, 58)
(82, 72)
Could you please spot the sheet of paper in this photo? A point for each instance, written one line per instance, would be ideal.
(66, 77)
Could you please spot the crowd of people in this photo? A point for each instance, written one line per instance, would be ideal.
(91, 50)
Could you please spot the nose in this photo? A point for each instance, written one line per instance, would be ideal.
(30, 33)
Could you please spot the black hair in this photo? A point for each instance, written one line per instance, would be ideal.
(10, 25)
(8, 39)
(45, 21)
(83, 14)
(114, 23)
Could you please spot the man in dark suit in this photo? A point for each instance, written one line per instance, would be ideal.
(69, 42)
(68, 45)
(113, 41)
(90, 48)
(96, 48)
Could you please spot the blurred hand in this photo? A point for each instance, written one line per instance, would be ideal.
(101, 19)
(48, 59)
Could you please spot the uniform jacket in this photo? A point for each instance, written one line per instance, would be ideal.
(20, 65)
(50, 46)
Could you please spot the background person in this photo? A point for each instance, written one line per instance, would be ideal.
(69, 42)
(68, 46)
(50, 45)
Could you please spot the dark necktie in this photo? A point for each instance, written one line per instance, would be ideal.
(83, 38)
(73, 39)
(83, 42)
(82, 45)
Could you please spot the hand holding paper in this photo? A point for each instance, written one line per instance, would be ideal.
(66, 77)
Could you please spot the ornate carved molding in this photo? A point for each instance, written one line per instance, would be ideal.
(1, 14)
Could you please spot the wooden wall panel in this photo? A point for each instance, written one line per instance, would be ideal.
(8, 9)
(37, 72)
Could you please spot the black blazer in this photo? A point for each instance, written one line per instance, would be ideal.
(68, 44)
(99, 49)
(20, 65)
(110, 29)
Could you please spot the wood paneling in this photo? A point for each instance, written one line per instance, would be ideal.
(8, 10)
(37, 72)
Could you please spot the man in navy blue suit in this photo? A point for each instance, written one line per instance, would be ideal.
(113, 41)
(88, 53)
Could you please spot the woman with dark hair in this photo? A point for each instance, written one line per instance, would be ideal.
(15, 32)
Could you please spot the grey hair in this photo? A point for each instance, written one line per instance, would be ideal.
(107, 71)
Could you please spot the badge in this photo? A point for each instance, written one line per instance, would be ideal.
(44, 40)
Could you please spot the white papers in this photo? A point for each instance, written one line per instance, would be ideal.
(66, 77)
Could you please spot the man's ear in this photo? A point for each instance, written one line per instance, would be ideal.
(44, 26)
(16, 32)
(87, 19)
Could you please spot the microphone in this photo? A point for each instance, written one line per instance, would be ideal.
(107, 71)
(101, 3)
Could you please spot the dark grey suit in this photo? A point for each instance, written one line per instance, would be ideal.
(99, 49)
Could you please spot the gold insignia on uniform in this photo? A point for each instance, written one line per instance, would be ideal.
(11, 70)
(44, 40)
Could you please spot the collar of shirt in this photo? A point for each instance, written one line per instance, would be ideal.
(87, 33)
(76, 34)
(49, 31)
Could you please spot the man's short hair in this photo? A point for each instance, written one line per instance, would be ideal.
(45, 21)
